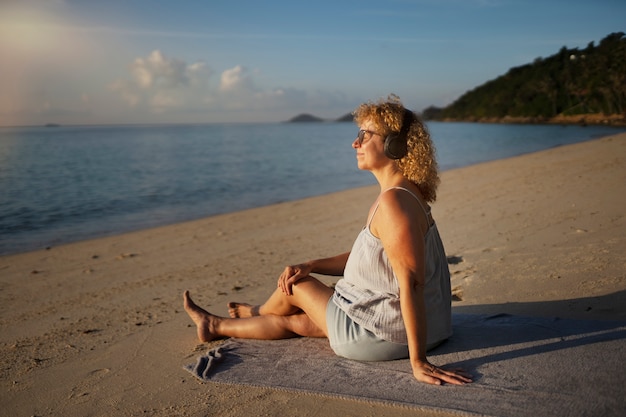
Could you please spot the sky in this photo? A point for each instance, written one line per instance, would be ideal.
(210, 61)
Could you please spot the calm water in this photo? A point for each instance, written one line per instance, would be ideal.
(64, 184)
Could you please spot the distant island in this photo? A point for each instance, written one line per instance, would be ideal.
(573, 86)
(305, 118)
(308, 118)
(52, 125)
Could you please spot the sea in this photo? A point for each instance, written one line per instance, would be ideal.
(64, 184)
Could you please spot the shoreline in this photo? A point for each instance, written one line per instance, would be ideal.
(97, 327)
(590, 119)
(45, 241)
(122, 233)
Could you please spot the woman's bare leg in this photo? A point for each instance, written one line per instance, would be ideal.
(210, 327)
(278, 304)
(242, 310)
(205, 321)
(303, 314)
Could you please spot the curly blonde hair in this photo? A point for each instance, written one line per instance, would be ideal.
(419, 165)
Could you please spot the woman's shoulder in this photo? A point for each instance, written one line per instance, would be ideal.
(401, 195)
(397, 202)
(403, 202)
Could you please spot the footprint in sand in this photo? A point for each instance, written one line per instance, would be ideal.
(101, 371)
(454, 260)
(78, 393)
(457, 293)
(126, 255)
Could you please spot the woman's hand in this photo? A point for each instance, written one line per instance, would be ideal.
(291, 275)
(431, 374)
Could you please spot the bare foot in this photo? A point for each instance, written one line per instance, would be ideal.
(241, 310)
(205, 321)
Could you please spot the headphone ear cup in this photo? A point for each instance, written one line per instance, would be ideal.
(396, 143)
(395, 146)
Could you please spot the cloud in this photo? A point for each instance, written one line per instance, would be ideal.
(236, 79)
(157, 70)
(52, 75)
(163, 85)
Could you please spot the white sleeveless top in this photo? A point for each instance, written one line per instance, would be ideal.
(370, 295)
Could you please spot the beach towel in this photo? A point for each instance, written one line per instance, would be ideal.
(522, 366)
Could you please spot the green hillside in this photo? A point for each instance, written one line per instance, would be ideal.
(571, 83)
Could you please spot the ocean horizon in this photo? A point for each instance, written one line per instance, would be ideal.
(63, 184)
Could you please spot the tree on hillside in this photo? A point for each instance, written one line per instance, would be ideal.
(571, 82)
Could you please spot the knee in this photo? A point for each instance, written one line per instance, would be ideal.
(302, 325)
(307, 284)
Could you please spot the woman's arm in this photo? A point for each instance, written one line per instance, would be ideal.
(333, 266)
(402, 235)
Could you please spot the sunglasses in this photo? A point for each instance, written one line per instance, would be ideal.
(361, 135)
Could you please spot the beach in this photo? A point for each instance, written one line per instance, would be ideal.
(98, 328)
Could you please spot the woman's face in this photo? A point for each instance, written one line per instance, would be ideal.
(369, 146)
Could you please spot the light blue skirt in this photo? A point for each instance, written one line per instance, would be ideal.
(350, 340)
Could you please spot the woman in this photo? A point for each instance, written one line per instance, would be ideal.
(394, 299)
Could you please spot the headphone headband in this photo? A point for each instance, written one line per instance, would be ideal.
(407, 119)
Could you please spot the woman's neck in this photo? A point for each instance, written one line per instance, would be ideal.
(389, 177)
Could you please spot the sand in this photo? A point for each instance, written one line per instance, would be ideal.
(97, 327)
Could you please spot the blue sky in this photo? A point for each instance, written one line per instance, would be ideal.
(139, 61)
